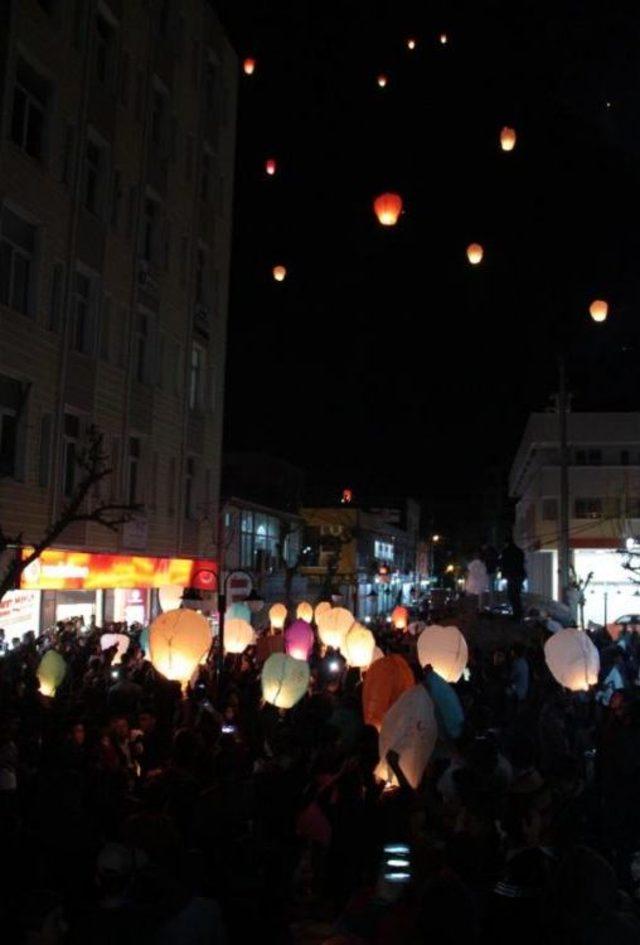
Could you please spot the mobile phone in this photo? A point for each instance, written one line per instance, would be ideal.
(396, 864)
(466, 674)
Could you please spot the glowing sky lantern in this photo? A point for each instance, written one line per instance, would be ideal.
(382, 81)
(411, 44)
(285, 680)
(359, 645)
(239, 611)
(299, 639)
(321, 608)
(384, 682)
(170, 596)
(444, 39)
(277, 616)
(51, 671)
(177, 641)
(238, 635)
(120, 640)
(304, 611)
(249, 66)
(573, 659)
(475, 252)
(279, 273)
(409, 727)
(507, 139)
(599, 310)
(400, 618)
(270, 166)
(387, 208)
(333, 626)
(444, 649)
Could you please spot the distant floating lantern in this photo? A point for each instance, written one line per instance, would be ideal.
(299, 639)
(270, 166)
(119, 640)
(508, 139)
(249, 66)
(333, 626)
(475, 252)
(573, 659)
(170, 596)
(323, 607)
(445, 650)
(599, 310)
(178, 639)
(279, 273)
(238, 635)
(411, 44)
(388, 208)
(359, 645)
(382, 81)
(51, 671)
(400, 618)
(444, 39)
(304, 611)
(239, 611)
(277, 616)
(285, 680)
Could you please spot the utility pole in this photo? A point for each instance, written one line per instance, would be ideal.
(563, 543)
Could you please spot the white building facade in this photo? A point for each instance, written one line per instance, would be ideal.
(604, 507)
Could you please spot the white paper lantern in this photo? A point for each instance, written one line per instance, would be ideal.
(333, 626)
(277, 616)
(409, 728)
(285, 680)
(323, 607)
(170, 597)
(445, 649)
(177, 641)
(238, 635)
(359, 645)
(573, 659)
(121, 640)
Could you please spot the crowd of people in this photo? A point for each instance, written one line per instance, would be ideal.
(132, 812)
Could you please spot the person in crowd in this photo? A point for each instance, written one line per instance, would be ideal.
(491, 560)
(513, 571)
(477, 582)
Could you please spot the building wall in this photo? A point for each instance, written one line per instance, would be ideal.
(152, 87)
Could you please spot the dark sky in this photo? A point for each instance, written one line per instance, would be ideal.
(385, 362)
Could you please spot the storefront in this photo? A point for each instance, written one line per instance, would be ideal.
(106, 588)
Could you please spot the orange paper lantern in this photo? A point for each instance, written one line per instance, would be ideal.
(382, 81)
(304, 611)
(279, 273)
(321, 608)
(388, 208)
(270, 166)
(277, 616)
(249, 66)
(475, 252)
(507, 139)
(385, 681)
(400, 618)
(599, 310)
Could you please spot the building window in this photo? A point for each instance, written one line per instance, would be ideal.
(211, 99)
(196, 377)
(114, 463)
(134, 470)
(624, 457)
(164, 17)
(189, 488)
(11, 401)
(594, 457)
(141, 348)
(105, 328)
(46, 425)
(581, 458)
(67, 154)
(153, 483)
(79, 14)
(184, 251)
(55, 301)
(30, 96)
(139, 94)
(131, 209)
(70, 452)
(125, 61)
(550, 510)
(383, 550)
(188, 158)
(82, 327)
(104, 49)
(588, 508)
(259, 539)
(17, 252)
(94, 175)
(633, 506)
(158, 121)
(204, 179)
(201, 266)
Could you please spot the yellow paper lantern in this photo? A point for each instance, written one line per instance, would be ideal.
(475, 252)
(445, 649)
(249, 66)
(177, 641)
(121, 640)
(321, 608)
(51, 671)
(285, 680)
(400, 618)
(238, 635)
(387, 208)
(508, 139)
(334, 625)
(279, 273)
(277, 616)
(359, 645)
(304, 611)
(573, 659)
(599, 310)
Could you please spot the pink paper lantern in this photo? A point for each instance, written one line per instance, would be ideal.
(299, 640)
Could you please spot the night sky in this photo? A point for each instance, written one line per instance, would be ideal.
(385, 361)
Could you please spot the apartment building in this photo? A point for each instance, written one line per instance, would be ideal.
(116, 174)
(604, 506)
